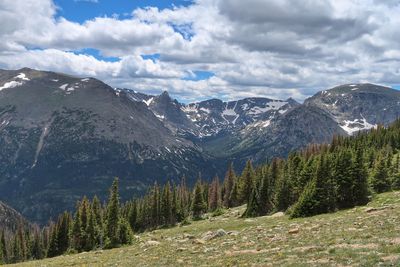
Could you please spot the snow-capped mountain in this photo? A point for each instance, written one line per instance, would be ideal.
(212, 117)
(62, 137)
(358, 107)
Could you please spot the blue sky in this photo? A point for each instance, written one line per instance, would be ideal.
(82, 10)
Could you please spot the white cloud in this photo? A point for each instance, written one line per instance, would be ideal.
(272, 48)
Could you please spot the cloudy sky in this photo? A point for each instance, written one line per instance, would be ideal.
(207, 48)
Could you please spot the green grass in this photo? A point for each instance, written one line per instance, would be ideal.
(352, 237)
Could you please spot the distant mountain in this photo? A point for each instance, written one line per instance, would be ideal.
(63, 137)
(358, 106)
(260, 128)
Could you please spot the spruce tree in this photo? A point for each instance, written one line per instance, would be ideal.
(76, 230)
(343, 178)
(166, 205)
(3, 248)
(125, 232)
(198, 206)
(283, 194)
(265, 193)
(318, 196)
(380, 177)
(91, 232)
(234, 196)
(229, 181)
(113, 217)
(133, 216)
(246, 183)
(63, 228)
(37, 251)
(214, 197)
(253, 206)
(360, 179)
(53, 249)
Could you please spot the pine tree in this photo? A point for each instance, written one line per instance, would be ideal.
(91, 232)
(112, 222)
(343, 177)
(214, 197)
(166, 205)
(76, 230)
(318, 196)
(380, 177)
(253, 206)
(307, 203)
(84, 220)
(53, 249)
(234, 196)
(97, 213)
(3, 248)
(265, 193)
(155, 206)
(246, 183)
(360, 179)
(229, 182)
(37, 251)
(125, 232)
(133, 216)
(283, 194)
(198, 206)
(63, 229)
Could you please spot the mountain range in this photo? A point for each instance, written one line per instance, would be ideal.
(63, 137)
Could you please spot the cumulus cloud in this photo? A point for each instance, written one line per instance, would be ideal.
(273, 48)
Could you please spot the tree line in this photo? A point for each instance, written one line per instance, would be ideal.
(318, 179)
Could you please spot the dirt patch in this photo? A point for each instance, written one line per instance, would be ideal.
(391, 258)
(357, 246)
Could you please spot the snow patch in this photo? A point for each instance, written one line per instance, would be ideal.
(22, 76)
(85, 80)
(273, 105)
(54, 80)
(11, 84)
(64, 86)
(206, 110)
(161, 117)
(148, 102)
(356, 125)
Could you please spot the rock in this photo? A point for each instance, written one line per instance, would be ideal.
(211, 235)
(207, 236)
(369, 210)
(199, 241)
(249, 220)
(294, 231)
(219, 233)
(278, 214)
(233, 233)
(188, 236)
(152, 243)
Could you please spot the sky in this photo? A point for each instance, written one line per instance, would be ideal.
(202, 49)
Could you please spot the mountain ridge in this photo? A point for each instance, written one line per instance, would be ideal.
(80, 133)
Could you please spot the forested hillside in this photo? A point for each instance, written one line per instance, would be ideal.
(318, 179)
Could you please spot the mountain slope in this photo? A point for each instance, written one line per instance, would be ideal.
(10, 219)
(63, 137)
(362, 236)
(358, 106)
